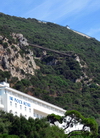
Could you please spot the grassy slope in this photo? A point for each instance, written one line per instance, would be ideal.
(59, 89)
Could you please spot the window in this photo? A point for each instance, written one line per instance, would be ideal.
(10, 111)
(20, 114)
(19, 96)
(15, 113)
(20, 106)
(10, 103)
(16, 95)
(34, 115)
(25, 98)
(37, 116)
(30, 110)
(16, 105)
(40, 116)
(25, 108)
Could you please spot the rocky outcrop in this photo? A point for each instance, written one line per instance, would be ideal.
(22, 40)
(5, 63)
(1, 37)
(17, 58)
(83, 67)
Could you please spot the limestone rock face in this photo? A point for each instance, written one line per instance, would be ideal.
(4, 62)
(21, 38)
(17, 58)
(83, 67)
(1, 37)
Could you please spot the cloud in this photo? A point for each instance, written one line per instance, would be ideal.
(94, 5)
(54, 10)
(40, 11)
(50, 10)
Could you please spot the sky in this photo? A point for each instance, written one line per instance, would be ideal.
(79, 15)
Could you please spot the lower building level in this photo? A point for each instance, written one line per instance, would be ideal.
(19, 103)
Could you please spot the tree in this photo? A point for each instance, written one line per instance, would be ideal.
(53, 118)
(73, 121)
(15, 128)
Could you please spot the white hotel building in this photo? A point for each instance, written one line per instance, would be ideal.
(19, 103)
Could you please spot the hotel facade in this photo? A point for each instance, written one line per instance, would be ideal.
(19, 103)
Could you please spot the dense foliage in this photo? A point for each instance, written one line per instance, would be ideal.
(19, 127)
(15, 127)
(55, 82)
(77, 122)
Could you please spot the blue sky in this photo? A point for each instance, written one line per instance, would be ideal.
(80, 15)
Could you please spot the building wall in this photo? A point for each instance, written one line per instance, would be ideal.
(18, 106)
(19, 103)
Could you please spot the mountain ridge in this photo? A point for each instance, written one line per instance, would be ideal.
(71, 82)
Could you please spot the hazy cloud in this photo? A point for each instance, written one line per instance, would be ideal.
(53, 10)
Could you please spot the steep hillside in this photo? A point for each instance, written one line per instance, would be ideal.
(51, 62)
(16, 57)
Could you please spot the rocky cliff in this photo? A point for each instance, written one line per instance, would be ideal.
(16, 57)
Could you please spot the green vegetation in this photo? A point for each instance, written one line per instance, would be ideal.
(19, 127)
(89, 122)
(73, 118)
(55, 82)
(15, 127)
(4, 75)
